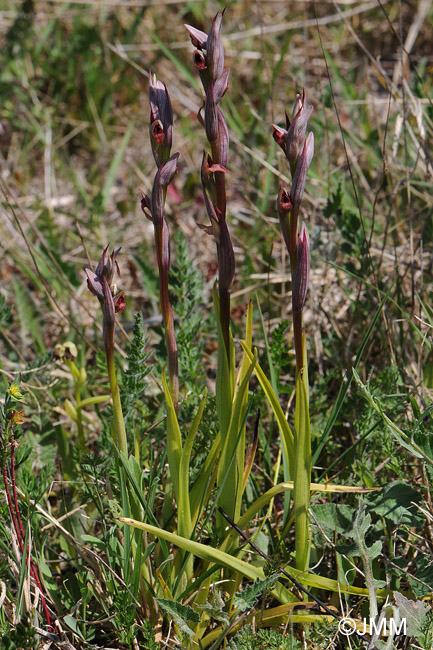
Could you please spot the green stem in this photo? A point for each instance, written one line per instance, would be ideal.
(78, 406)
(302, 475)
(81, 441)
(118, 421)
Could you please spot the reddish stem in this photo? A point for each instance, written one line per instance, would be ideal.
(297, 336)
(167, 314)
(19, 529)
(293, 239)
(224, 292)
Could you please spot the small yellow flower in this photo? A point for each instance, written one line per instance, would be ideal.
(14, 392)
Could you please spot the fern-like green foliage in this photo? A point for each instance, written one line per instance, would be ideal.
(186, 291)
(281, 361)
(134, 377)
(247, 598)
(21, 637)
(249, 639)
(180, 614)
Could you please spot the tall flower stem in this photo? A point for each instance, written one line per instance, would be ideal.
(101, 284)
(161, 128)
(167, 313)
(209, 61)
(118, 421)
(299, 151)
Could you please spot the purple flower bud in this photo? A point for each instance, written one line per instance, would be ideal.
(208, 185)
(302, 271)
(146, 205)
(106, 267)
(210, 115)
(161, 120)
(198, 38)
(199, 60)
(214, 48)
(101, 284)
(157, 201)
(223, 138)
(108, 314)
(284, 205)
(279, 136)
(94, 285)
(299, 179)
(296, 133)
(162, 178)
(284, 208)
(221, 85)
(168, 170)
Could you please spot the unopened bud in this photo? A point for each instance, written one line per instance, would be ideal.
(214, 48)
(302, 271)
(300, 177)
(161, 120)
(279, 136)
(100, 281)
(296, 132)
(284, 209)
(198, 38)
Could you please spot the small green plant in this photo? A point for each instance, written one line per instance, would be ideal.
(249, 639)
(21, 637)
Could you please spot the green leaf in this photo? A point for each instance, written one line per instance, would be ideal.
(285, 431)
(333, 518)
(302, 476)
(417, 615)
(94, 541)
(247, 598)
(229, 472)
(174, 438)
(353, 550)
(72, 623)
(184, 505)
(396, 502)
(214, 556)
(179, 613)
(48, 580)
